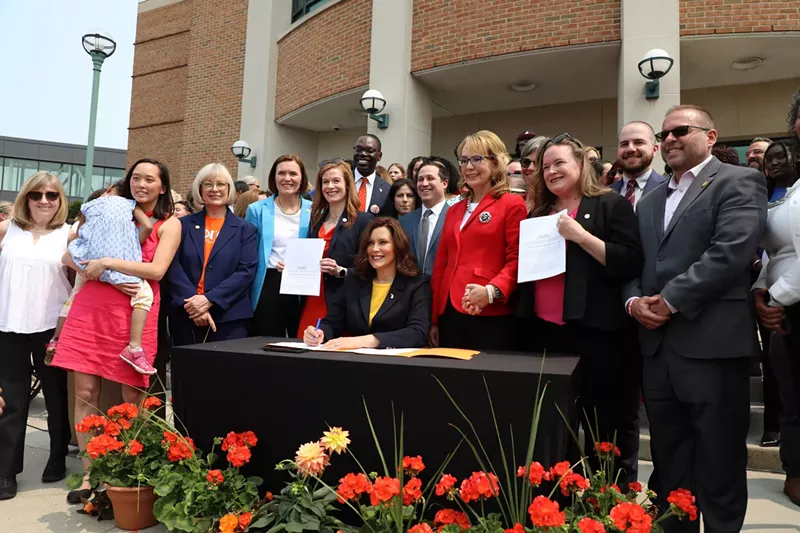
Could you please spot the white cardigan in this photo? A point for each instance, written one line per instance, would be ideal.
(781, 274)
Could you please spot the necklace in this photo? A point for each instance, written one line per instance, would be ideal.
(278, 203)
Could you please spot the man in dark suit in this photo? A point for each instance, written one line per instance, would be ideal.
(699, 231)
(424, 225)
(635, 151)
(372, 190)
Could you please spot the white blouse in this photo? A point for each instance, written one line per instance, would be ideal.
(287, 227)
(781, 241)
(33, 281)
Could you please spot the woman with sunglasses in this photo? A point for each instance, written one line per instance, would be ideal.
(33, 287)
(475, 272)
(528, 163)
(580, 311)
(335, 218)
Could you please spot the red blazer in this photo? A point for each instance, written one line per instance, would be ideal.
(485, 251)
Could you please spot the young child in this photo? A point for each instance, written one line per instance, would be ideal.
(108, 230)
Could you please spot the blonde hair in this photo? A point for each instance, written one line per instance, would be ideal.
(22, 212)
(213, 170)
(544, 200)
(6, 208)
(487, 143)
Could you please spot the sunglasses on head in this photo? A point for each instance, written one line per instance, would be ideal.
(678, 131)
(36, 196)
(334, 161)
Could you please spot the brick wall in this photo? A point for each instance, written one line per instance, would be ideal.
(450, 32)
(186, 101)
(705, 17)
(326, 55)
(159, 85)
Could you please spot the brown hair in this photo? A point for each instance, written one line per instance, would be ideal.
(383, 173)
(272, 185)
(320, 206)
(403, 258)
(487, 143)
(22, 212)
(244, 201)
(544, 200)
(400, 167)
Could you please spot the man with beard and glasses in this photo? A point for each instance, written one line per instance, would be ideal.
(698, 233)
(755, 153)
(635, 151)
(372, 190)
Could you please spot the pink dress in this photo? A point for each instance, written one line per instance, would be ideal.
(549, 294)
(98, 328)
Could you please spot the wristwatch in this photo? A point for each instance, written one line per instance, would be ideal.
(342, 272)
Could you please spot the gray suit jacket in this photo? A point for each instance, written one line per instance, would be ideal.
(653, 180)
(700, 264)
(410, 223)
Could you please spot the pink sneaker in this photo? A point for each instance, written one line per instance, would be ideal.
(137, 359)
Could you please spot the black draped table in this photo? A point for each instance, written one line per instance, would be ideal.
(289, 399)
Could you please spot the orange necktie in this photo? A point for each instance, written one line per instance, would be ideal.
(362, 195)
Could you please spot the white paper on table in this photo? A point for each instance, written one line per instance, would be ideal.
(298, 345)
(362, 351)
(542, 250)
(301, 273)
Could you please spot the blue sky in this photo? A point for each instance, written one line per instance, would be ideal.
(46, 76)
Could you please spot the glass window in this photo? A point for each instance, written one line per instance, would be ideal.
(16, 171)
(113, 175)
(76, 181)
(301, 8)
(62, 170)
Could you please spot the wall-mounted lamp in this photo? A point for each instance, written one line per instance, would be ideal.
(241, 150)
(373, 103)
(654, 65)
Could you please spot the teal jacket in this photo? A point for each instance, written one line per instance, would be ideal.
(262, 214)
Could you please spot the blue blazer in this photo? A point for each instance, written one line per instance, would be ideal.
(229, 272)
(410, 223)
(262, 215)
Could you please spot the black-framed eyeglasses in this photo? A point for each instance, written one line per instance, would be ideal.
(526, 162)
(36, 196)
(334, 161)
(678, 131)
(475, 160)
(364, 150)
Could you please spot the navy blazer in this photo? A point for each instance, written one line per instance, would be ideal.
(230, 270)
(402, 321)
(410, 223)
(342, 249)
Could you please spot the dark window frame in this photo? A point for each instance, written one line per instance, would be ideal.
(301, 8)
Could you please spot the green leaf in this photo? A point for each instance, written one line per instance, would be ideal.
(294, 527)
(255, 480)
(74, 481)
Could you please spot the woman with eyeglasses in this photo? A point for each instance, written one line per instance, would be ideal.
(33, 287)
(278, 219)
(475, 272)
(335, 218)
(777, 297)
(212, 273)
(528, 164)
(580, 311)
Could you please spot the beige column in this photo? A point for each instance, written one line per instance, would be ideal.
(645, 25)
(408, 102)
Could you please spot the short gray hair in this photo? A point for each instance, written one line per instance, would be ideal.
(534, 145)
(250, 180)
(213, 170)
(761, 140)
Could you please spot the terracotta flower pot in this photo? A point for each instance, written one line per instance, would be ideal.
(133, 506)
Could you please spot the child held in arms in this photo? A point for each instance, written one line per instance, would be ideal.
(108, 228)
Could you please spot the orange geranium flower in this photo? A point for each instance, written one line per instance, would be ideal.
(446, 517)
(421, 528)
(635, 486)
(352, 486)
(123, 410)
(101, 445)
(536, 473)
(134, 447)
(572, 483)
(228, 523)
(90, 422)
(479, 485)
(631, 518)
(606, 449)
(238, 456)
(558, 471)
(589, 525)
(112, 428)
(445, 484)
(248, 439)
(178, 449)
(412, 491)
(413, 465)
(518, 528)
(244, 520)
(214, 477)
(544, 513)
(383, 490)
(152, 402)
(682, 503)
(311, 459)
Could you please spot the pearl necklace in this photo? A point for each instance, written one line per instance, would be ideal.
(278, 203)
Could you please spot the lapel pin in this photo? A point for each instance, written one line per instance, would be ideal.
(391, 296)
(704, 185)
(374, 209)
(344, 220)
(587, 216)
(197, 226)
(485, 217)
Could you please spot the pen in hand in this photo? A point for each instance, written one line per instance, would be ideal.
(316, 328)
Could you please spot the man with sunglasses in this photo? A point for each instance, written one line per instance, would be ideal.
(698, 231)
(372, 190)
(635, 151)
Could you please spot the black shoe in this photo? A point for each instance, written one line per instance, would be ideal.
(8, 487)
(770, 439)
(56, 470)
(77, 496)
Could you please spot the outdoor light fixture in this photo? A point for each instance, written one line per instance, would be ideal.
(373, 103)
(99, 45)
(242, 150)
(654, 65)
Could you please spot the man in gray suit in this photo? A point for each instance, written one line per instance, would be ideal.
(635, 151)
(424, 225)
(698, 231)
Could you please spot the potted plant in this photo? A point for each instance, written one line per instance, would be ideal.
(125, 452)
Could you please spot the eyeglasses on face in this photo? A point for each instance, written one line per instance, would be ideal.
(678, 131)
(207, 185)
(364, 150)
(334, 161)
(515, 173)
(526, 162)
(36, 196)
(475, 160)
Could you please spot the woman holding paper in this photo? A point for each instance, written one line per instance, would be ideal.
(475, 272)
(211, 274)
(385, 303)
(581, 311)
(278, 219)
(335, 218)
